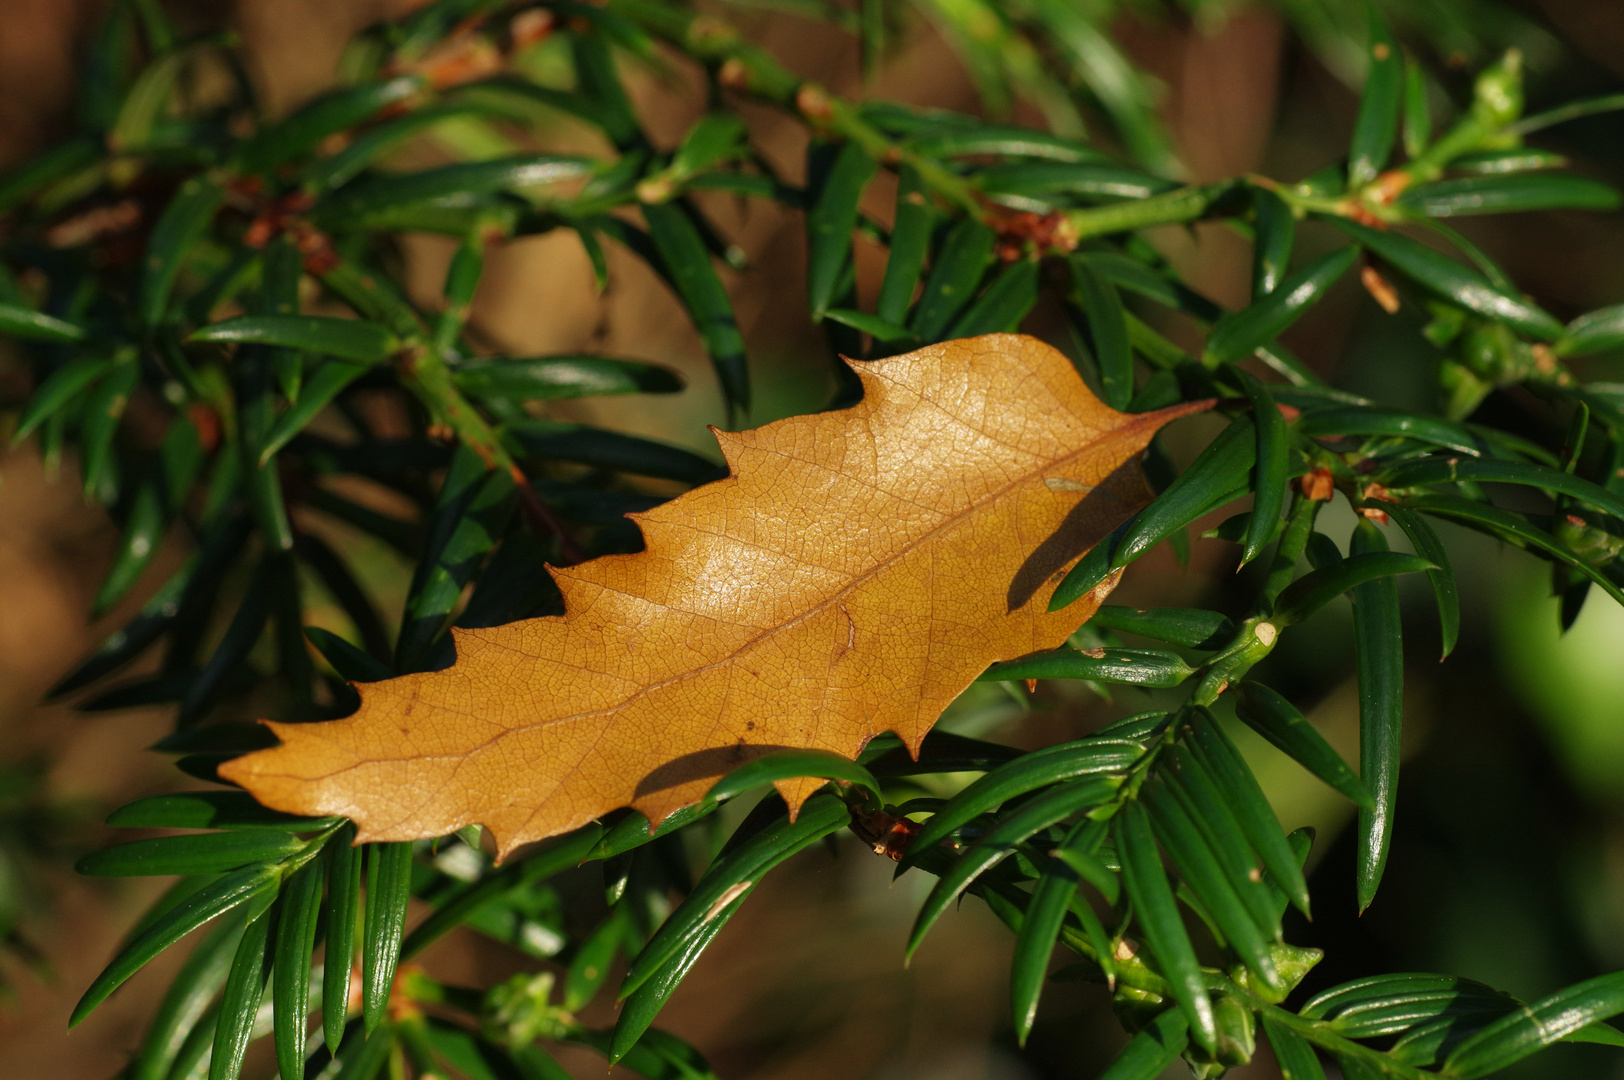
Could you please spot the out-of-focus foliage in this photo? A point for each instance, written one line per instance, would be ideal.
(209, 296)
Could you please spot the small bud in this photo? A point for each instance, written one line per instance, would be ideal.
(655, 190)
(1376, 491)
(246, 187)
(1021, 231)
(530, 27)
(1497, 99)
(1545, 361)
(813, 103)
(520, 1011)
(1317, 485)
(317, 249)
(207, 423)
(1496, 355)
(1266, 633)
(259, 231)
(733, 75)
(1380, 289)
(1361, 213)
(1388, 186)
(94, 224)
(459, 60)
(334, 143)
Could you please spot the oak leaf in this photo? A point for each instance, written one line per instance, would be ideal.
(855, 572)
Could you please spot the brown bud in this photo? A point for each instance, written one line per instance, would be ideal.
(1387, 187)
(259, 231)
(812, 101)
(1362, 214)
(733, 74)
(207, 423)
(1375, 513)
(317, 249)
(459, 60)
(1020, 231)
(246, 186)
(335, 142)
(1316, 485)
(530, 27)
(1380, 289)
(94, 224)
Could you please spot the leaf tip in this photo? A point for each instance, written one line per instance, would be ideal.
(84, 1008)
(916, 937)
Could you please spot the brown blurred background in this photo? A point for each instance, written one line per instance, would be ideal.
(1509, 863)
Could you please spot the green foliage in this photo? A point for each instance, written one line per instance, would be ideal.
(250, 227)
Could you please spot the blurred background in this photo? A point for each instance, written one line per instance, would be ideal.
(1509, 860)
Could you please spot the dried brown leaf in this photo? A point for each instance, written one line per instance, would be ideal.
(852, 576)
